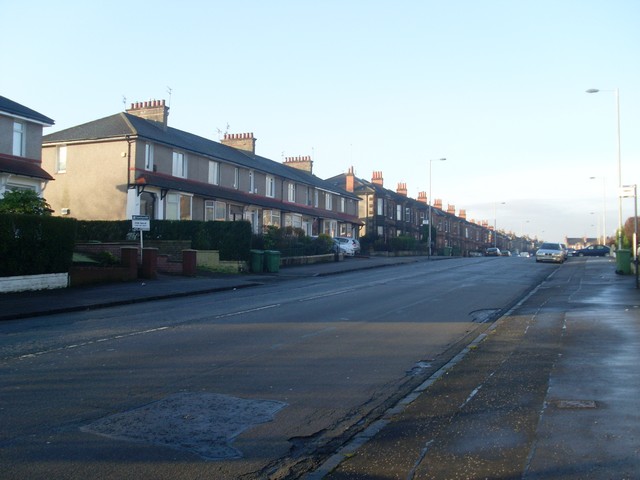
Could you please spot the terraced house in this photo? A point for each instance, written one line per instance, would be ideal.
(386, 213)
(20, 148)
(133, 163)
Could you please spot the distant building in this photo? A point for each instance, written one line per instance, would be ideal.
(133, 163)
(21, 148)
(386, 214)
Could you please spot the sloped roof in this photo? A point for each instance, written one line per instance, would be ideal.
(22, 167)
(123, 124)
(207, 190)
(15, 109)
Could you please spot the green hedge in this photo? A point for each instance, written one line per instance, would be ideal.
(35, 244)
(232, 239)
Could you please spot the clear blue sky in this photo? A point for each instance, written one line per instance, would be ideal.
(496, 87)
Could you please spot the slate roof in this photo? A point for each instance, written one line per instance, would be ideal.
(15, 109)
(123, 124)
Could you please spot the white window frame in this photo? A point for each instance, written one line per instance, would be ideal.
(214, 173)
(148, 156)
(174, 203)
(252, 181)
(343, 203)
(291, 192)
(380, 207)
(398, 212)
(19, 139)
(328, 201)
(179, 165)
(236, 178)
(61, 159)
(270, 186)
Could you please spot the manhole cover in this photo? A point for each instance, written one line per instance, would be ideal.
(201, 423)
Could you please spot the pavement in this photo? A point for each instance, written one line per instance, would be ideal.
(550, 391)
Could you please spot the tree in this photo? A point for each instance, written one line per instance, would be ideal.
(26, 202)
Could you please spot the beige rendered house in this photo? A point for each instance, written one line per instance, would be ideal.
(20, 148)
(133, 163)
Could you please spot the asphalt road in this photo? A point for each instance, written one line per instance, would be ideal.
(254, 383)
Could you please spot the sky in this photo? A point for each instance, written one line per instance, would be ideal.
(496, 87)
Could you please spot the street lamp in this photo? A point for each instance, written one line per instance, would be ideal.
(430, 200)
(604, 209)
(495, 222)
(617, 96)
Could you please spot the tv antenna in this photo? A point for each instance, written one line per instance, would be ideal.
(169, 90)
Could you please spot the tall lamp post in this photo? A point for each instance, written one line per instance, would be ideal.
(495, 222)
(604, 209)
(430, 200)
(617, 96)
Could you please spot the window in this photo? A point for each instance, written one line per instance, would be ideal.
(236, 178)
(148, 156)
(179, 165)
(18, 139)
(61, 159)
(380, 209)
(398, 212)
(252, 182)
(343, 202)
(271, 186)
(328, 201)
(214, 210)
(291, 192)
(271, 218)
(214, 173)
(316, 198)
(407, 214)
(178, 207)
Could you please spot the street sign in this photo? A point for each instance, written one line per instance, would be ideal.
(141, 223)
(627, 191)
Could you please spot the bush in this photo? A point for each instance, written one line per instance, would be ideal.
(35, 244)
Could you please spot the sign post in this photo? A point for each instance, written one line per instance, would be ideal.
(141, 223)
(628, 191)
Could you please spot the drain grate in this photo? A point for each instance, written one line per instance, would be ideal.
(574, 404)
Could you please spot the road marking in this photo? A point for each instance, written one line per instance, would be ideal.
(90, 342)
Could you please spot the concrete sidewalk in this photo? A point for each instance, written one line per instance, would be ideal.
(47, 302)
(550, 392)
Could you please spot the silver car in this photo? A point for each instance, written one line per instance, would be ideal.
(551, 252)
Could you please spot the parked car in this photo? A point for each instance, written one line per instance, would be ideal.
(505, 253)
(492, 252)
(524, 254)
(551, 252)
(349, 246)
(594, 251)
(571, 252)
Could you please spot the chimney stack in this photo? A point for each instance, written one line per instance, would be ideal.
(422, 197)
(402, 189)
(154, 110)
(303, 163)
(463, 214)
(451, 209)
(350, 180)
(437, 203)
(377, 179)
(240, 141)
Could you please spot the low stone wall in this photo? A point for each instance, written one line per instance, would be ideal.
(310, 259)
(25, 283)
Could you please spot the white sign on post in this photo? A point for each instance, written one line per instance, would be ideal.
(142, 224)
